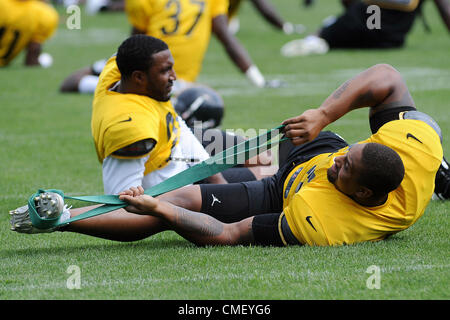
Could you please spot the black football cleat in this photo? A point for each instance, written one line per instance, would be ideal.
(442, 182)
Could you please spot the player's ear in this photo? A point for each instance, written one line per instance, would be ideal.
(363, 193)
(139, 77)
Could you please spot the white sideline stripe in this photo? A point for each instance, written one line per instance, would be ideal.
(88, 37)
(310, 84)
(20, 196)
(296, 276)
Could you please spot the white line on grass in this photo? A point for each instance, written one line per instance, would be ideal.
(418, 79)
(88, 37)
(306, 274)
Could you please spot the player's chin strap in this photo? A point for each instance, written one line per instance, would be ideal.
(228, 158)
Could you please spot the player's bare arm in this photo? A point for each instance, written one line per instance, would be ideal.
(444, 10)
(380, 87)
(234, 49)
(32, 55)
(239, 55)
(269, 12)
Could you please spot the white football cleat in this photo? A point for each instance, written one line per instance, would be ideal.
(48, 205)
(303, 47)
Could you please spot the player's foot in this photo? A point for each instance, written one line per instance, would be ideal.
(303, 47)
(442, 182)
(47, 204)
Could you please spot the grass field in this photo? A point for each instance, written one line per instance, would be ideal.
(46, 142)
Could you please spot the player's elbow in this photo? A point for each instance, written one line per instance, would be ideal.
(387, 78)
(386, 70)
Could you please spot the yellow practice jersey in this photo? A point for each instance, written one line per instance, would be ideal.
(400, 5)
(185, 25)
(119, 120)
(319, 214)
(22, 22)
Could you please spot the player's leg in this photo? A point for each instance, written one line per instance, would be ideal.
(118, 225)
(202, 229)
(350, 30)
(84, 80)
(71, 83)
(121, 225)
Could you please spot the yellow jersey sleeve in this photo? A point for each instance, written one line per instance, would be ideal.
(127, 128)
(219, 7)
(138, 13)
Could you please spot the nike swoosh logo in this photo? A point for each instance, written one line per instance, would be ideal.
(129, 119)
(308, 218)
(409, 135)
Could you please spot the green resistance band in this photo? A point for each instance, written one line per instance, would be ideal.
(213, 165)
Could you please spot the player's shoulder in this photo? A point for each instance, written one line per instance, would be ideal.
(43, 8)
(405, 128)
(415, 140)
(219, 7)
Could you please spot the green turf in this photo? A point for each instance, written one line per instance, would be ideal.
(46, 143)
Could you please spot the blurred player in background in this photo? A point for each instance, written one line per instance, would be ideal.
(264, 7)
(26, 25)
(351, 30)
(186, 26)
(267, 10)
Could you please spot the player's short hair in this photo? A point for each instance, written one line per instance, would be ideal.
(135, 53)
(383, 169)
